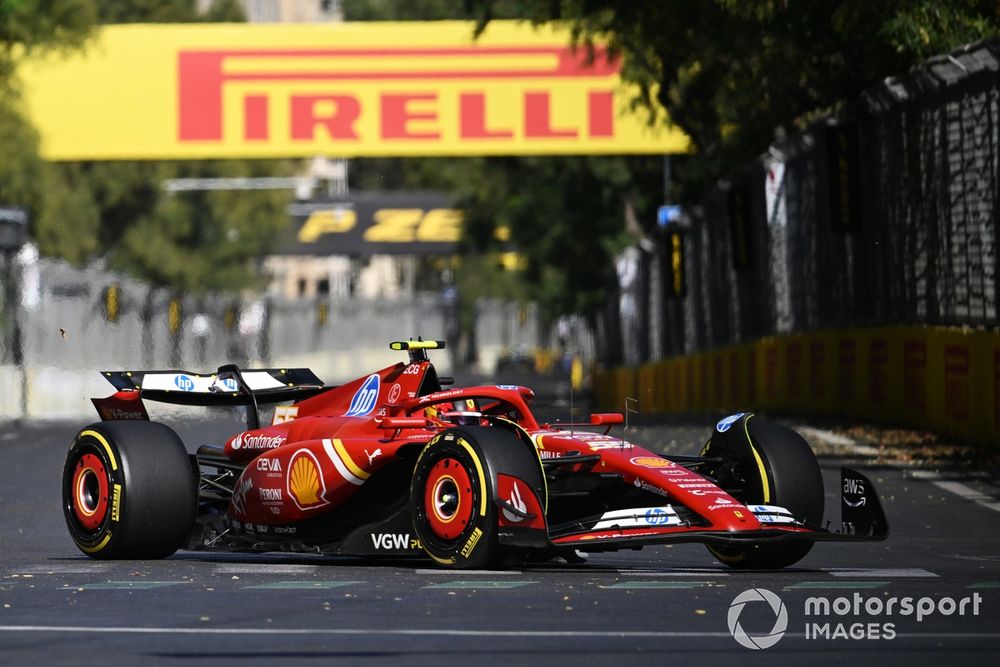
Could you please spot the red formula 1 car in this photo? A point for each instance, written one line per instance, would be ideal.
(397, 464)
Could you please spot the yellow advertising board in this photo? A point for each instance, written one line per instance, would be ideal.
(945, 380)
(352, 89)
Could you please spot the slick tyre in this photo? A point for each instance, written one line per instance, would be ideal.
(452, 492)
(129, 491)
(767, 464)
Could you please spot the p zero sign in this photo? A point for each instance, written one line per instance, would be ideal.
(364, 89)
(375, 223)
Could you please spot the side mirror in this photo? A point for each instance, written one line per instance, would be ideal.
(607, 419)
(396, 423)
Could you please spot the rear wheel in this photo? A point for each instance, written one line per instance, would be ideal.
(129, 490)
(766, 464)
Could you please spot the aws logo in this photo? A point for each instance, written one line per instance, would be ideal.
(305, 481)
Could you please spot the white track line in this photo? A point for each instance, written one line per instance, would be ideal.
(672, 573)
(831, 438)
(78, 568)
(440, 632)
(264, 568)
(959, 489)
(443, 632)
(969, 493)
(464, 572)
(877, 572)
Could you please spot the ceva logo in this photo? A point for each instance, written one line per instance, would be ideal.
(364, 398)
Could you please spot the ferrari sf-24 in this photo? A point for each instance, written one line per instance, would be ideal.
(399, 463)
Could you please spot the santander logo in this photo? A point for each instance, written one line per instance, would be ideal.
(258, 441)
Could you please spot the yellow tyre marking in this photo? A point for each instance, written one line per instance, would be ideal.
(760, 464)
(351, 465)
(100, 438)
(103, 543)
(482, 477)
(441, 561)
(735, 558)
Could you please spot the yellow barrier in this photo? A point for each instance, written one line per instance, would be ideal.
(944, 380)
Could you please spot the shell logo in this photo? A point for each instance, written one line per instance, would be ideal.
(652, 462)
(305, 483)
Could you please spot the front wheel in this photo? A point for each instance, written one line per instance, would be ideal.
(129, 490)
(453, 489)
(766, 464)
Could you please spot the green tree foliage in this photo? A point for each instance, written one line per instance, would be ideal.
(191, 241)
(119, 211)
(732, 73)
(565, 216)
(20, 167)
(421, 10)
(168, 11)
(401, 10)
(29, 27)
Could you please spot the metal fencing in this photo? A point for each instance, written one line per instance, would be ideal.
(884, 215)
(60, 325)
(63, 324)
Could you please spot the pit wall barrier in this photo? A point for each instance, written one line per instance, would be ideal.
(937, 379)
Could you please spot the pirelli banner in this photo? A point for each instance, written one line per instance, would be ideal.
(370, 223)
(944, 380)
(174, 91)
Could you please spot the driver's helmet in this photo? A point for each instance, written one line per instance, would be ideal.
(463, 417)
(460, 413)
(435, 411)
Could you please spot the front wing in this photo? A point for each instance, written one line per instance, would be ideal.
(862, 519)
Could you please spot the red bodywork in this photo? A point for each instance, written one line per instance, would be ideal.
(321, 451)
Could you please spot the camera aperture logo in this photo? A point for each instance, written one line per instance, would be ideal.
(772, 605)
(854, 617)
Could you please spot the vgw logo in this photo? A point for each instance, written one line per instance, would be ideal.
(775, 607)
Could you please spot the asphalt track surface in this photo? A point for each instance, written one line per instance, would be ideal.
(655, 606)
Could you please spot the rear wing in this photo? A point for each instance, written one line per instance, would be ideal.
(226, 387)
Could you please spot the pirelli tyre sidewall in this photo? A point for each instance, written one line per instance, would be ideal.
(452, 498)
(128, 490)
(777, 468)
